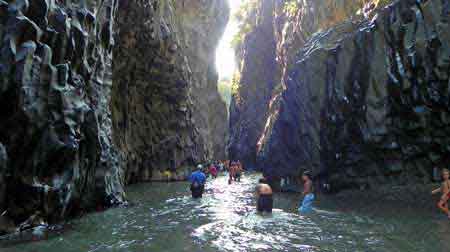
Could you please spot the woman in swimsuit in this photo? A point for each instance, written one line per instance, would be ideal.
(445, 190)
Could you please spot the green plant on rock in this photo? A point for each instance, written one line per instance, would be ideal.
(224, 87)
(291, 7)
(235, 86)
(246, 19)
(383, 3)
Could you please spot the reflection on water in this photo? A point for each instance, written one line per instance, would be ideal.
(165, 218)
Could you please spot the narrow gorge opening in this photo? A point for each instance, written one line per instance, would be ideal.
(226, 64)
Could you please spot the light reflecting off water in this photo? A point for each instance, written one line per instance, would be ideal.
(165, 218)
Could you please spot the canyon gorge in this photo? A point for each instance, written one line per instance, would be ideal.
(99, 94)
(96, 95)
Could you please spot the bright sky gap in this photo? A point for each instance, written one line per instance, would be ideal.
(225, 59)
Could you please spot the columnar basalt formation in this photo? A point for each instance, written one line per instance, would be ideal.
(97, 94)
(258, 72)
(166, 108)
(54, 97)
(278, 30)
(367, 101)
(363, 98)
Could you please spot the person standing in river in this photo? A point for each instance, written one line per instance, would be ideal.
(232, 172)
(198, 180)
(264, 197)
(445, 190)
(213, 170)
(238, 171)
(308, 194)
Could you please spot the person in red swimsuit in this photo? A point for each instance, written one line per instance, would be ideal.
(445, 190)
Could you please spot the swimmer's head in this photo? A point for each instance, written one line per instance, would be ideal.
(445, 173)
(307, 175)
(263, 181)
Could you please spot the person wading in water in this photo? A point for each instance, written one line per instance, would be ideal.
(308, 193)
(445, 190)
(198, 180)
(238, 171)
(232, 172)
(213, 170)
(264, 197)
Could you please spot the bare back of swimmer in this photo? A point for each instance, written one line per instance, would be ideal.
(264, 196)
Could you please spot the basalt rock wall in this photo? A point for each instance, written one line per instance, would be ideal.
(278, 30)
(366, 101)
(257, 76)
(98, 94)
(55, 127)
(167, 111)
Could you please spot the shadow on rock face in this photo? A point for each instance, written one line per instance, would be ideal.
(56, 128)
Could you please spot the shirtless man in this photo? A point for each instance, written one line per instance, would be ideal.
(308, 195)
(232, 172)
(264, 197)
(238, 171)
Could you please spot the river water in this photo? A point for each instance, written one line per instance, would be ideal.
(163, 217)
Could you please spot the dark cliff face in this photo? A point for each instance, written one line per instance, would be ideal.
(97, 94)
(167, 111)
(359, 98)
(54, 95)
(278, 29)
(248, 110)
(367, 101)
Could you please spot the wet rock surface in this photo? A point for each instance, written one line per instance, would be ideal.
(54, 97)
(249, 106)
(3, 165)
(98, 94)
(366, 101)
(167, 111)
(278, 30)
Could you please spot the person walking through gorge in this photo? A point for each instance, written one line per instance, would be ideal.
(264, 197)
(213, 170)
(198, 180)
(445, 190)
(232, 172)
(308, 194)
(238, 171)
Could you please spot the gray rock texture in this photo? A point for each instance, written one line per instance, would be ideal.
(364, 99)
(277, 31)
(258, 72)
(167, 111)
(3, 165)
(97, 94)
(54, 97)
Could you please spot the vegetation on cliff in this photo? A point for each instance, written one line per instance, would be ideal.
(357, 99)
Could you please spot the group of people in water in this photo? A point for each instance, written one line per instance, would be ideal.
(264, 192)
(265, 200)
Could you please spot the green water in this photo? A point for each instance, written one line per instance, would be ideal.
(164, 218)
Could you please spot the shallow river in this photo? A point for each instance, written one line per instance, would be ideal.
(163, 217)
